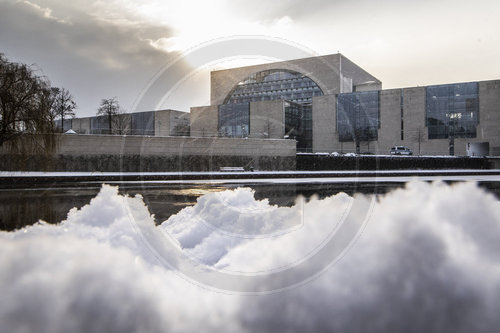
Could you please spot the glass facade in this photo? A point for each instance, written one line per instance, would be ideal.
(298, 125)
(234, 119)
(99, 125)
(293, 87)
(452, 110)
(358, 116)
(275, 84)
(143, 123)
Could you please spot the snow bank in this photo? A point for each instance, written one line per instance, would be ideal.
(427, 260)
(231, 230)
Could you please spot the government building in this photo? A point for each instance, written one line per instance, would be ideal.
(329, 104)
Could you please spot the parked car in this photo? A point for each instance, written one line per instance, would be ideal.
(401, 150)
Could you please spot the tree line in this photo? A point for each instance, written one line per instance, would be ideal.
(28, 102)
(30, 105)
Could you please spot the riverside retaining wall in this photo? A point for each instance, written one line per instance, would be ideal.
(109, 153)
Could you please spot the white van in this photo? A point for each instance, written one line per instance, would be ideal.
(401, 150)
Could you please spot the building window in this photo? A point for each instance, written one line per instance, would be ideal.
(99, 125)
(234, 120)
(298, 125)
(277, 84)
(143, 123)
(452, 110)
(358, 116)
(274, 83)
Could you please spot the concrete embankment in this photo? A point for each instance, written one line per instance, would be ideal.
(115, 153)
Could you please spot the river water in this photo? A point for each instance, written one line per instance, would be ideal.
(25, 206)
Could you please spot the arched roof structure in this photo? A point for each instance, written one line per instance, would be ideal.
(274, 84)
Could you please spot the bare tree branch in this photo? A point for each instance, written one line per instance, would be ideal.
(109, 107)
(24, 103)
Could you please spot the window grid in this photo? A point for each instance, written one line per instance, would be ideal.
(452, 110)
(298, 125)
(358, 116)
(274, 85)
(296, 89)
(234, 120)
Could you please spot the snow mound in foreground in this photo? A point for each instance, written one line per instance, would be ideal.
(427, 260)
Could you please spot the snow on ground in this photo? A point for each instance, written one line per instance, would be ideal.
(427, 260)
(321, 180)
(216, 173)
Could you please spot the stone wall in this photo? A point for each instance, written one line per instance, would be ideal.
(166, 122)
(142, 163)
(324, 70)
(81, 125)
(107, 153)
(489, 115)
(267, 119)
(324, 121)
(204, 121)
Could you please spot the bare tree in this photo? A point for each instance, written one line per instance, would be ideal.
(121, 123)
(47, 101)
(63, 105)
(25, 102)
(109, 108)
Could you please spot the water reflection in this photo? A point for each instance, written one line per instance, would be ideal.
(20, 207)
(25, 206)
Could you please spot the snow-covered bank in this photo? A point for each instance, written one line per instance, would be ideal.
(21, 179)
(216, 173)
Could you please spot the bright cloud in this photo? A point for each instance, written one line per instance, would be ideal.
(194, 22)
(46, 12)
(99, 49)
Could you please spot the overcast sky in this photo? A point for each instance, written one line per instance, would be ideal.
(102, 49)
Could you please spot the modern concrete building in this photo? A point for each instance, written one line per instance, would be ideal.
(276, 100)
(152, 141)
(150, 123)
(329, 104)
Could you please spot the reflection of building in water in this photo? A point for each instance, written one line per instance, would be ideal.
(328, 104)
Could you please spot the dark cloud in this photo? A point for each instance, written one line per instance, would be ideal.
(93, 58)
